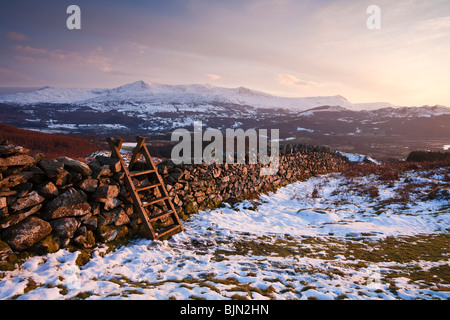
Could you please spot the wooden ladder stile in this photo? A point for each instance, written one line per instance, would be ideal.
(139, 206)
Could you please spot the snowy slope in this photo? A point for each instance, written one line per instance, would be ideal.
(408, 112)
(374, 105)
(152, 97)
(286, 245)
(144, 92)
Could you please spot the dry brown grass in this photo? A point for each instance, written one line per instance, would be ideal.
(52, 145)
(391, 171)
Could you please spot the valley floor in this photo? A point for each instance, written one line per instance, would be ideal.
(331, 237)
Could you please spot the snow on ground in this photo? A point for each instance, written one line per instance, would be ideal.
(356, 157)
(325, 238)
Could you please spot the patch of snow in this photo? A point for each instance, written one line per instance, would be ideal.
(355, 157)
(304, 129)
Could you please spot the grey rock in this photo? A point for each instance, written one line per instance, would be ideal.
(48, 190)
(27, 233)
(18, 216)
(65, 227)
(19, 160)
(32, 199)
(69, 204)
(75, 165)
(103, 192)
(89, 185)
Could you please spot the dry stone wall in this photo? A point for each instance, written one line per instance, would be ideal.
(50, 204)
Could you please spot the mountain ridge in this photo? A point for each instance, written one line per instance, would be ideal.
(157, 93)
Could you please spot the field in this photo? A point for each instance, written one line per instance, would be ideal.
(361, 234)
(52, 145)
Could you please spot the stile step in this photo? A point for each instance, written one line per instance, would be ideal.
(133, 191)
(154, 201)
(148, 187)
(167, 230)
(160, 215)
(141, 173)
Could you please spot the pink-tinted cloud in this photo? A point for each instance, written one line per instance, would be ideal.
(93, 59)
(17, 36)
(212, 76)
(291, 80)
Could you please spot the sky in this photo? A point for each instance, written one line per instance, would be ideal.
(293, 48)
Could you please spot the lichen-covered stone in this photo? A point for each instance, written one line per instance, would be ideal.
(48, 190)
(65, 227)
(32, 199)
(69, 204)
(27, 233)
(75, 165)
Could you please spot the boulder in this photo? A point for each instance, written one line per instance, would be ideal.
(65, 227)
(104, 192)
(75, 165)
(90, 223)
(27, 233)
(99, 171)
(19, 160)
(23, 189)
(114, 164)
(5, 250)
(54, 170)
(121, 217)
(107, 217)
(12, 149)
(18, 216)
(16, 179)
(48, 190)
(111, 203)
(32, 199)
(69, 204)
(89, 185)
(51, 167)
(106, 233)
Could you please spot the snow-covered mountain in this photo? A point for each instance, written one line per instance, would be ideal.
(153, 97)
(373, 105)
(409, 112)
(158, 95)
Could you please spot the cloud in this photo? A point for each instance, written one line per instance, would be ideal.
(212, 76)
(17, 36)
(293, 81)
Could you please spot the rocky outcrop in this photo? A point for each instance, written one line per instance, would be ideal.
(48, 204)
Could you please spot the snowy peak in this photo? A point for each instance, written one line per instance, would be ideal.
(138, 86)
(153, 93)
